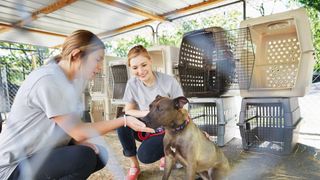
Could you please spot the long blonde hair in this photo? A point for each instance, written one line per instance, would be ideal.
(83, 40)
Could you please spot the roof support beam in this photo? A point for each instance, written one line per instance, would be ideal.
(62, 3)
(126, 28)
(4, 26)
(147, 21)
(45, 10)
(133, 10)
(193, 7)
(35, 15)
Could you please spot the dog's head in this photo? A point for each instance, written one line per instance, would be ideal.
(166, 112)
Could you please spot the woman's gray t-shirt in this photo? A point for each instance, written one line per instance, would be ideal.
(45, 93)
(136, 92)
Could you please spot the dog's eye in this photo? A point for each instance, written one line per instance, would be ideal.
(159, 109)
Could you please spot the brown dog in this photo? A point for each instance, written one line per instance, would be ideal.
(185, 142)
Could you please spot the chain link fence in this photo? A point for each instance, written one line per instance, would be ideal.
(16, 62)
(8, 89)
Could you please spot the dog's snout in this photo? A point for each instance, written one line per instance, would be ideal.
(149, 120)
(146, 119)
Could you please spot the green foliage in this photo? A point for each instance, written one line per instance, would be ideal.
(315, 27)
(20, 60)
(173, 36)
(311, 3)
(123, 45)
(313, 9)
(229, 20)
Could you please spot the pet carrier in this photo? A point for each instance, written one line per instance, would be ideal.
(94, 98)
(164, 58)
(216, 116)
(270, 124)
(102, 109)
(86, 99)
(101, 92)
(119, 76)
(118, 80)
(97, 110)
(99, 85)
(208, 61)
(284, 57)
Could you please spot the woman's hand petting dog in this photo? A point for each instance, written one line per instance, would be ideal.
(137, 125)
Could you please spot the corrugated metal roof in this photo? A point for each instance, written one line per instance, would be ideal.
(160, 6)
(52, 20)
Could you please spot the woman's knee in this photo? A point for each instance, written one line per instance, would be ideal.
(103, 155)
(70, 162)
(91, 161)
(146, 156)
(87, 155)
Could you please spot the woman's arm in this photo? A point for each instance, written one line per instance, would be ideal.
(130, 109)
(83, 131)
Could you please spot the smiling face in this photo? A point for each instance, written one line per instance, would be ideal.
(141, 67)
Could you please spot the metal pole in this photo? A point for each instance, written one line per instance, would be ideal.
(244, 9)
(157, 30)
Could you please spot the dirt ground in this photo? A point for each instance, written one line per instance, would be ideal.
(118, 165)
(303, 163)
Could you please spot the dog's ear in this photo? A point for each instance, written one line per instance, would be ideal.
(158, 97)
(179, 102)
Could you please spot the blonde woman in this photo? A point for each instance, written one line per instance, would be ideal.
(35, 144)
(140, 91)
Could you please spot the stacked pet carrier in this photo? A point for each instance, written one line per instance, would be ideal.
(119, 76)
(282, 71)
(207, 73)
(164, 58)
(100, 104)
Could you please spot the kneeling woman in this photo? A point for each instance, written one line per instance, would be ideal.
(35, 143)
(140, 91)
